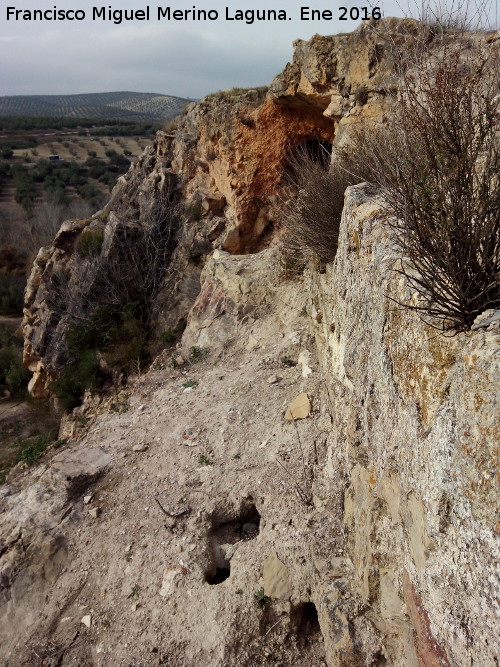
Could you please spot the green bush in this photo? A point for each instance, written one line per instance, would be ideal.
(7, 356)
(197, 354)
(313, 199)
(80, 338)
(85, 373)
(11, 295)
(25, 187)
(31, 449)
(195, 211)
(13, 375)
(127, 344)
(261, 598)
(90, 194)
(168, 337)
(17, 378)
(114, 333)
(90, 242)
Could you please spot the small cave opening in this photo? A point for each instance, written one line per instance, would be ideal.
(379, 660)
(304, 619)
(217, 577)
(243, 525)
(225, 535)
(318, 150)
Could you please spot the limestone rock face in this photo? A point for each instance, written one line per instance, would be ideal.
(416, 427)
(343, 65)
(233, 288)
(347, 78)
(350, 78)
(232, 149)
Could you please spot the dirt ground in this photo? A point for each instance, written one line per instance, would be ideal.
(206, 482)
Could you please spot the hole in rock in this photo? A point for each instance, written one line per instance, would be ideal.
(318, 150)
(224, 537)
(220, 575)
(305, 620)
(379, 660)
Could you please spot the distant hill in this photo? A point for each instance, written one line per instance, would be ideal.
(123, 105)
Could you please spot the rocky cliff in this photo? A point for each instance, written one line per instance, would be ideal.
(192, 521)
(226, 163)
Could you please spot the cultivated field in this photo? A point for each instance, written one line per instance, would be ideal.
(72, 147)
(52, 169)
(124, 105)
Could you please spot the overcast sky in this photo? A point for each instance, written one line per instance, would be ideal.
(187, 59)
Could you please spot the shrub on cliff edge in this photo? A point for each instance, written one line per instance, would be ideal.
(438, 164)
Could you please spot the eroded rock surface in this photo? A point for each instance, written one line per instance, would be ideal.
(415, 441)
(370, 522)
(373, 528)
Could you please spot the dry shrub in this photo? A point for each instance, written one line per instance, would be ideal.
(461, 15)
(106, 304)
(437, 162)
(312, 200)
(132, 272)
